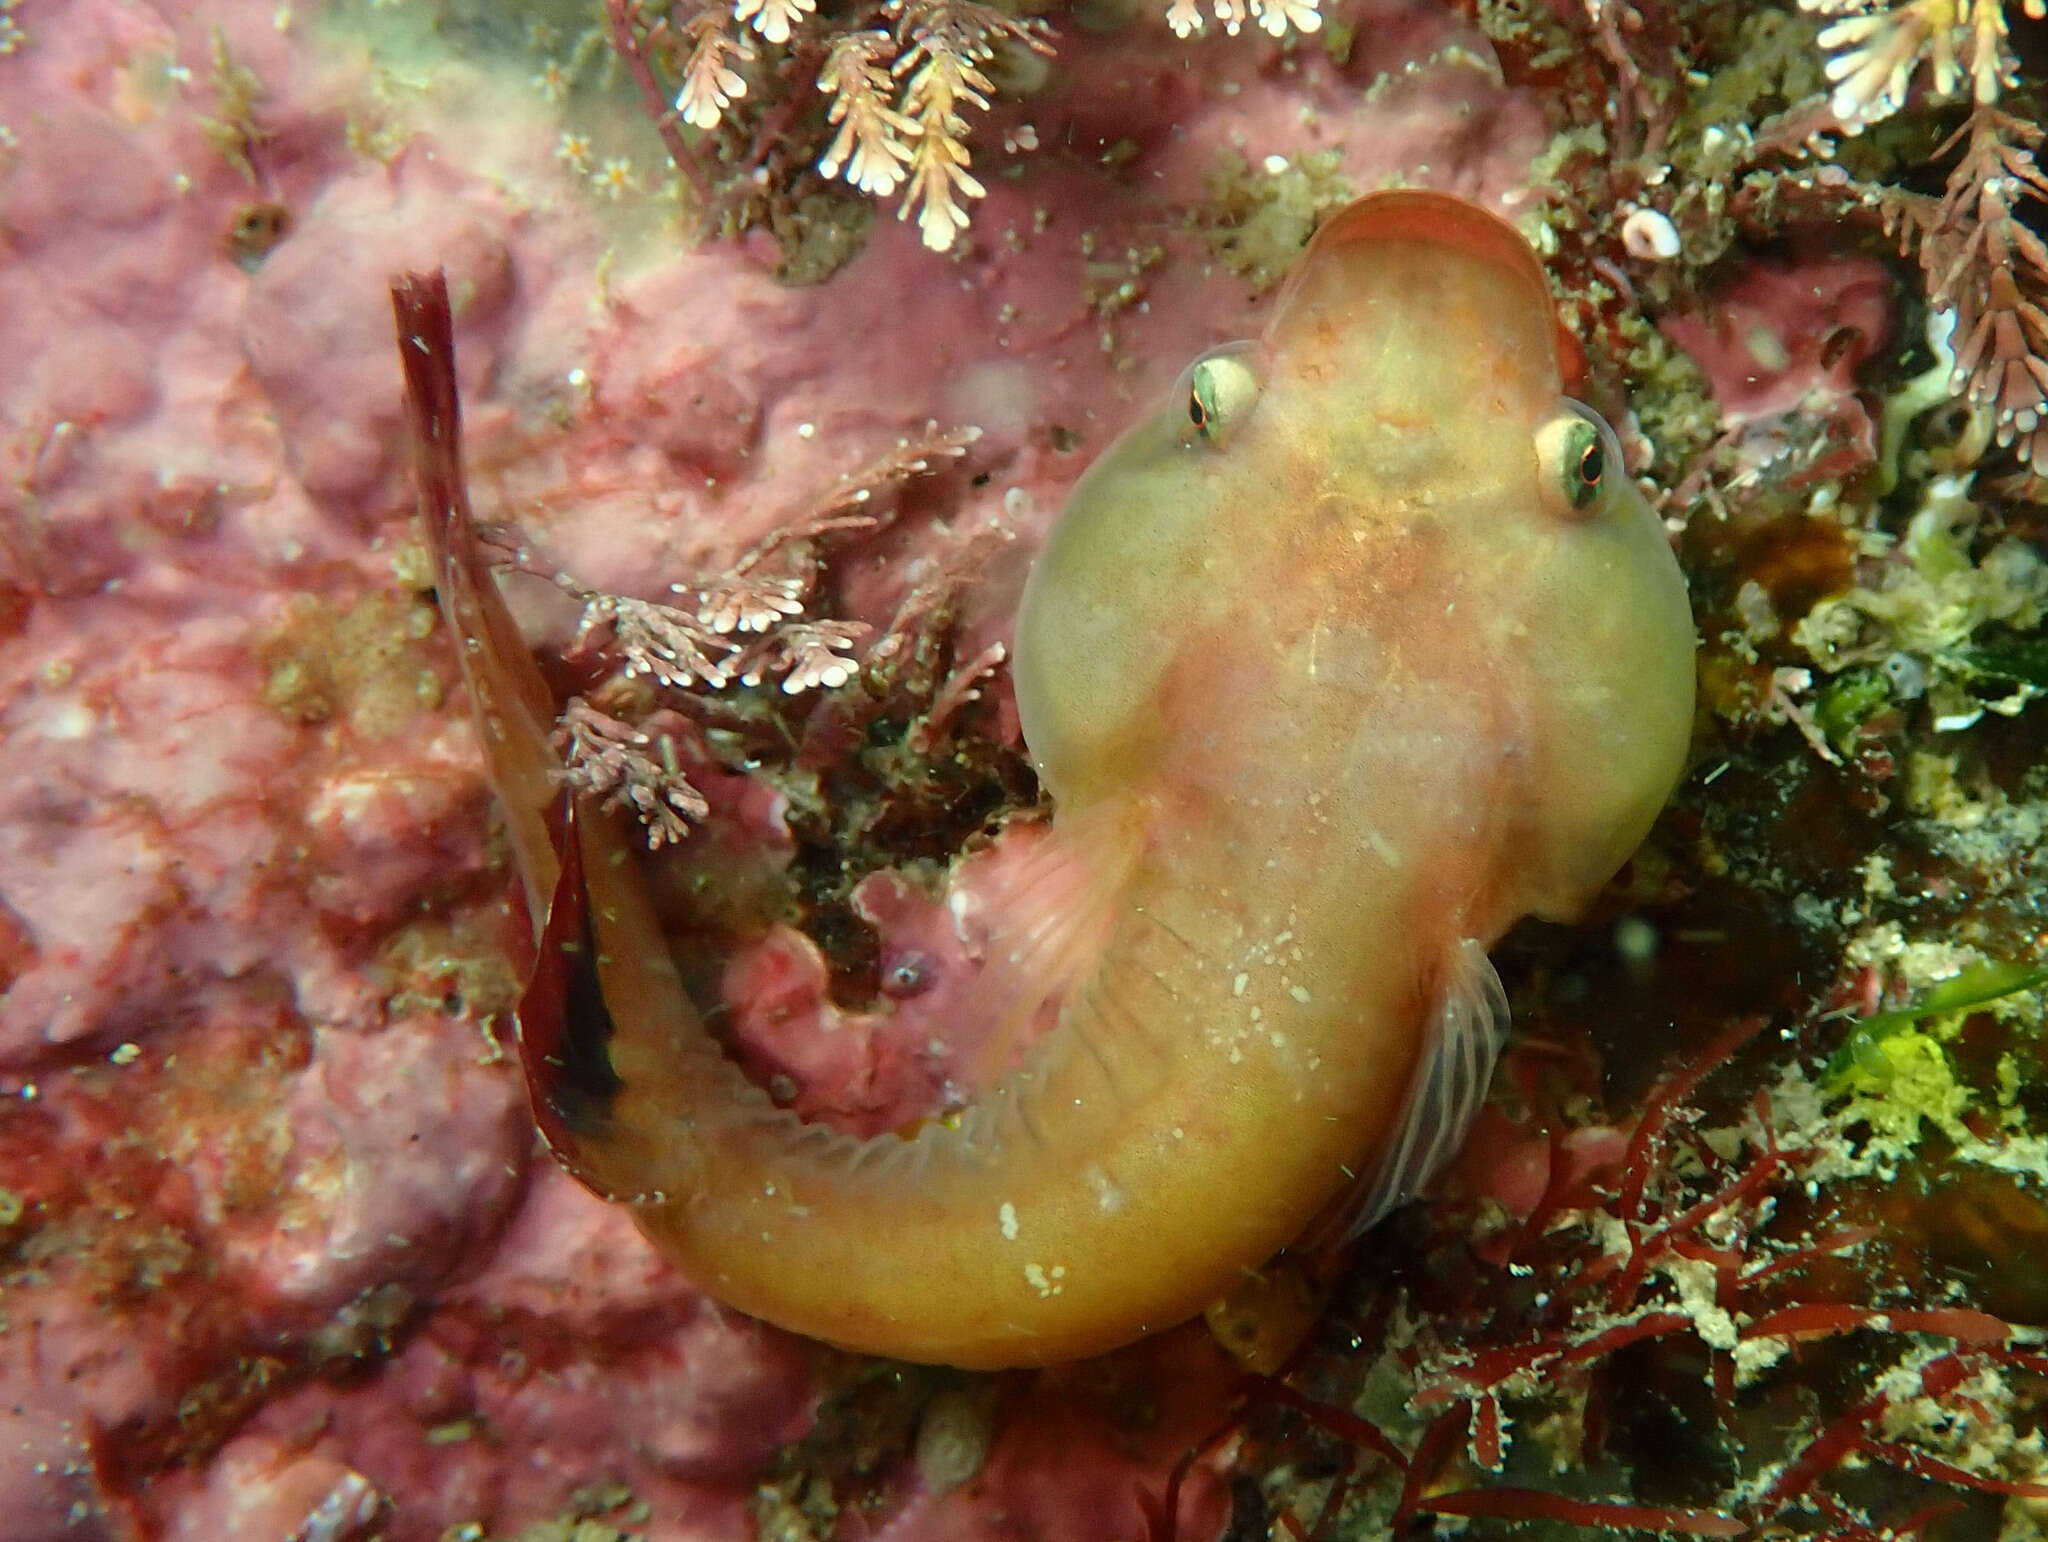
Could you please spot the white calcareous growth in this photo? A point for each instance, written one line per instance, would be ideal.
(1649, 236)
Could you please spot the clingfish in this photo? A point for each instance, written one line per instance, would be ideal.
(1358, 648)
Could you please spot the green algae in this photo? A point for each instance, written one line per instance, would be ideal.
(1977, 986)
(1848, 702)
(1256, 219)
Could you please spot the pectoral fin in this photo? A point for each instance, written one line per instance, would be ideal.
(1468, 1024)
(1052, 912)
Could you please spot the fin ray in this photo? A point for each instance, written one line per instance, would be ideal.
(1468, 1025)
(1054, 917)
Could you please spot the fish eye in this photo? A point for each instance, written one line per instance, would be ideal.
(1575, 455)
(1218, 392)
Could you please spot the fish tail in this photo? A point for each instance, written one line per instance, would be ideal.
(514, 709)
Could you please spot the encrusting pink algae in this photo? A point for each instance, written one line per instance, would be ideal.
(784, 335)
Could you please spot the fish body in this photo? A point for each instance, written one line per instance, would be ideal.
(1357, 649)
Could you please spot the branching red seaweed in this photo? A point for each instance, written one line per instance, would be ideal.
(1671, 1253)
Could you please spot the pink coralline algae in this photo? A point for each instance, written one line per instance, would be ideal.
(280, 1258)
(866, 1072)
(1781, 346)
(1782, 336)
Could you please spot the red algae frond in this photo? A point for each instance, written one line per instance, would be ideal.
(704, 657)
(1983, 266)
(879, 95)
(1671, 1258)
